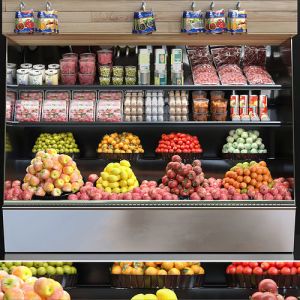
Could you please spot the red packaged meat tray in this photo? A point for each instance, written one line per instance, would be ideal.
(58, 95)
(55, 111)
(226, 56)
(254, 56)
(28, 111)
(231, 75)
(31, 95)
(85, 95)
(109, 111)
(9, 110)
(205, 74)
(11, 95)
(257, 75)
(82, 111)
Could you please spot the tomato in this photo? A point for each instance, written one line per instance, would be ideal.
(253, 264)
(273, 271)
(293, 270)
(298, 270)
(297, 264)
(272, 264)
(265, 265)
(239, 269)
(279, 264)
(289, 264)
(285, 271)
(247, 270)
(258, 271)
(245, 264)
(231, 269)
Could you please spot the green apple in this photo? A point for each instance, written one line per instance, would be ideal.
(28, 264)
(52, 263)
(51, 270)
(8, 264)
(5, 269)
(59, 263)
(41, 271)
(17, 263)
(74, 270)
(67, 270)
(33, 271)
(37, 264)
(59, 271)
(68, 263)
(44, 264)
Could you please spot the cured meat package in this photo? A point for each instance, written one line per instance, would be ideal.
(257, 75)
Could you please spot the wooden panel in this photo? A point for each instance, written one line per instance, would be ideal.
(104, 16)
(154, 39)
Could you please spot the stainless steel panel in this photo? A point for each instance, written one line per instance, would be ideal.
(147, 230)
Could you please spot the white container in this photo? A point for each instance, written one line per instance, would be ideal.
(13, 68)
(27, 66)
(22, 76)
(55, 67)
(35, 77)
(9, 76)
(51, 77)
(41, 68)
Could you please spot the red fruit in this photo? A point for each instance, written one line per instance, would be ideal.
(268, 285)
(93, 178)
(258, 271)
(196, 182)
(175, 191)
(165, 180)
(298, 270)
(289, 264)
(196, 163)
(256, 296)
(293, 270)
(291, 298)
(195, 196)
(285, 271)
(179, 178)
(231, 269)
(297, 264)
(273, 271)
(245, 264)
(279, 264)
(239, 269)
(268, 296)
(192, 175)
(176, 158)
(265, 265)
(247, 270)
(187, 183)
(253, 264)
(171, 174)
(172, 184)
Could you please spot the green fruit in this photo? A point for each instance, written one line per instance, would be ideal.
(33, 271)
(28, 264)
(74, 270)
(17, 263)
(59, 271)
(8, 264)
(67, 270)
(59, 263)
(68, 263)
(51, 270)
(41, 271)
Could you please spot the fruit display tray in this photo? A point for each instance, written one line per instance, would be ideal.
(245, 156)
(119, 156)
(72, 155)
(67, 281)
(252, 281)
(63, 196)
(186, 157)
(157, 281)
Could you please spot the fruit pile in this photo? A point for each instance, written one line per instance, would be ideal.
(162, 294)
(61, 142)
(157, 268)
(243, 141)
(117, 178)
(21, 285)
(178, 143)
(124, 142)
(183, 179)
(268, 290)
(52, 173)
(41, 268)
(148, 190)
(264, 268)
(13, 191)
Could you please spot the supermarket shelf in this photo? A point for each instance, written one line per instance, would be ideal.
(212, 292)
(138, 204)
(153, 39)
(151, 87)
(65, 125)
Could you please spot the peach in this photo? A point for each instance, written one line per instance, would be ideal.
(40, 154)
(3, 274)
(31, 170)
(27, 177)
(51, 151)
(16, 183)
(22, 272)
(93, 178)
(27, 287)
(32, 189)
(64, 159)
(34, 181)
(67, 187)
(38, 166)
(65, 178)
(47, 162)
(31, 295)
(9, 282)
(14, 294)
(25, 186)
(44, 174)
(57, 166)
(40, 192)
(56, 192)
(48, 187)
(68, 170)
(59, 183)
(31, 280)
(1, 296)
(55, 174)
(44, 287)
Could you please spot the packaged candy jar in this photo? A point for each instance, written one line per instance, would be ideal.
(105, 57)
(47, 20)
(82, 111)
(88, 55)
(215, 20)
(51, 77)
(55, 111)
(24, 20)
(192, 21)
(27, 111)
(237, 20)
(144, 21)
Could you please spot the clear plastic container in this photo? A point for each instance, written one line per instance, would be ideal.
(31, 95)
(86, 79)
(200, 116)
(105, 71)
(200, 106)
(219, 117)
(68, 79)
(130, 71)
(58, 95)
(90, 56)
(117, 80)
(199, 95)
(130, 80)
(105, 57)
(82, 111)
(109, 111)
(27, 111)
(104, 80)
(68, 66)
(85, 95)
(87, 66)
(219, 106)
(55, 111)
(118, 71)
(217, 95)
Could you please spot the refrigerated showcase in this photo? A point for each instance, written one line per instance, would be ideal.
(99, 227)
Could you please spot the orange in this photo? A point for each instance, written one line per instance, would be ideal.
(151, 271)
(150, 264)
(180, 265)
(187, 271)
(247, 172)
(162, 272)
(167, 265)
(240, 179)
(263, 163)
(116, 269)
(173, 271)
(259, 178)
(247, 179)
(253, 175)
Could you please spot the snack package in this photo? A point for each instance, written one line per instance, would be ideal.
(254, 56)
(85, 95)
(24, 20)
(234, 105)
(226, 56)
(47, 20)
(231, 75)
(263, 105)
(215, 21)
(27, 111)
(244, 105)
(144, 22)
(109, 111)
(192, 22)
(82, 111)
(31, 95)
(55, 111)
(253, 105)
(257, 75)
(237, 21)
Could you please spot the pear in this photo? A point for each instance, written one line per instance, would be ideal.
(166, 294)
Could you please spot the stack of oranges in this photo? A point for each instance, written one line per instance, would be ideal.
(124, 142)
(246, 176)
(157, 268)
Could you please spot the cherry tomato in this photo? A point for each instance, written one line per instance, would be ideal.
(279, 264)
(273, 271)
(231, 269)
(285, 271)
(247, 270)
(258, 271)
(265, 266)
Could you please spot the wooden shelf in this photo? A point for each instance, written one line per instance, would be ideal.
(154, 39)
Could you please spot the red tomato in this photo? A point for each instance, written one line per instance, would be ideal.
(298, 270)
(258, 271)
(247, 270)
(297, 264)
(293, 270)
(273, 271)
(239, 269)
(230, 269)
(245, 264)
(272, 264)
(289, 264)
(279, 264)
(265, 265)
(253, 264)
(285, 271)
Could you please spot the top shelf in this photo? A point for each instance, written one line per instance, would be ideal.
(153, 39)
